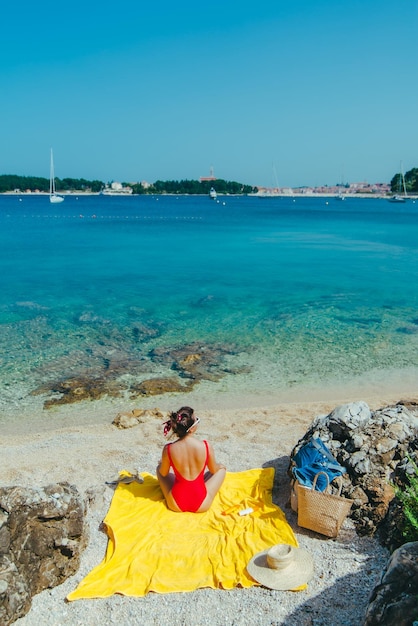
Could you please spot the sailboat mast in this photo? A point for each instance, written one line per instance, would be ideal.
(51, 176)
(53, 197)
(403, 181)
(275, 179)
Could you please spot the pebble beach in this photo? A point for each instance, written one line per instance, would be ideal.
(80, 445)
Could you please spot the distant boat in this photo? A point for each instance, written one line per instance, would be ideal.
(53, 196)
(212, 194)
(340, 195)
(397, 198)
(401, 196)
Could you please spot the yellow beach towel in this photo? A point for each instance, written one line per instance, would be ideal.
(151, 548)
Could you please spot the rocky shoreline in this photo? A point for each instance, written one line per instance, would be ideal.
(347, 568)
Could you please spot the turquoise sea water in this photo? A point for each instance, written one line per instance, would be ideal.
(286, 293)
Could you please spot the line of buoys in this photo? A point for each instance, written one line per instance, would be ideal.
(113, 217)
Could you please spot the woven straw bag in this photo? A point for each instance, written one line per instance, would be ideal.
(321, 511)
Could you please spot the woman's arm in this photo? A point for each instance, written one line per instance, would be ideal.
(164, 465)
(213, 465)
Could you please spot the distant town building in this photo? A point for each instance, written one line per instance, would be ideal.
(211, 176)
(364, 188)
(116, 189)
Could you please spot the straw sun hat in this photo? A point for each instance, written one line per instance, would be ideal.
(282, 567)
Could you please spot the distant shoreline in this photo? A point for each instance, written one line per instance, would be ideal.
(331, 196)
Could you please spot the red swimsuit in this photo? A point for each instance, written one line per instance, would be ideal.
(189, 494)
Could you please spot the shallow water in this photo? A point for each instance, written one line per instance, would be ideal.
(290, 294)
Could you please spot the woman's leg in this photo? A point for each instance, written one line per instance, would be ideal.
(166, 484)
(213, 484)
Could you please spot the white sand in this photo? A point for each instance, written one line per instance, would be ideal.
(78, 444)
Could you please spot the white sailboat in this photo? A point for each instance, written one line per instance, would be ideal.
(212, 194)
(401, 196)
(340, 195)
(53, 196)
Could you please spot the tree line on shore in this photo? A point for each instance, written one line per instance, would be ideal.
(11, 182)
(411, 181)
(196, 187)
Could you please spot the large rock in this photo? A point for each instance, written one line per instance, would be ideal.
(130, 419)
(395, 600)
(42, 535)
(373, 447)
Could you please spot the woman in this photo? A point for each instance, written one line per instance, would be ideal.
(188, 488)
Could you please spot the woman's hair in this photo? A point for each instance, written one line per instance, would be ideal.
(182, 420)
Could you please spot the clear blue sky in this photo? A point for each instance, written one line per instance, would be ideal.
(318, 91)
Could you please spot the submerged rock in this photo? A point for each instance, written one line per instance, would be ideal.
(141, 333)
(109, 372)
(196, 361)
(78, 389)
(157, 386)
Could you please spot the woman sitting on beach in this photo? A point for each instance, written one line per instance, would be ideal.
(188, 488)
